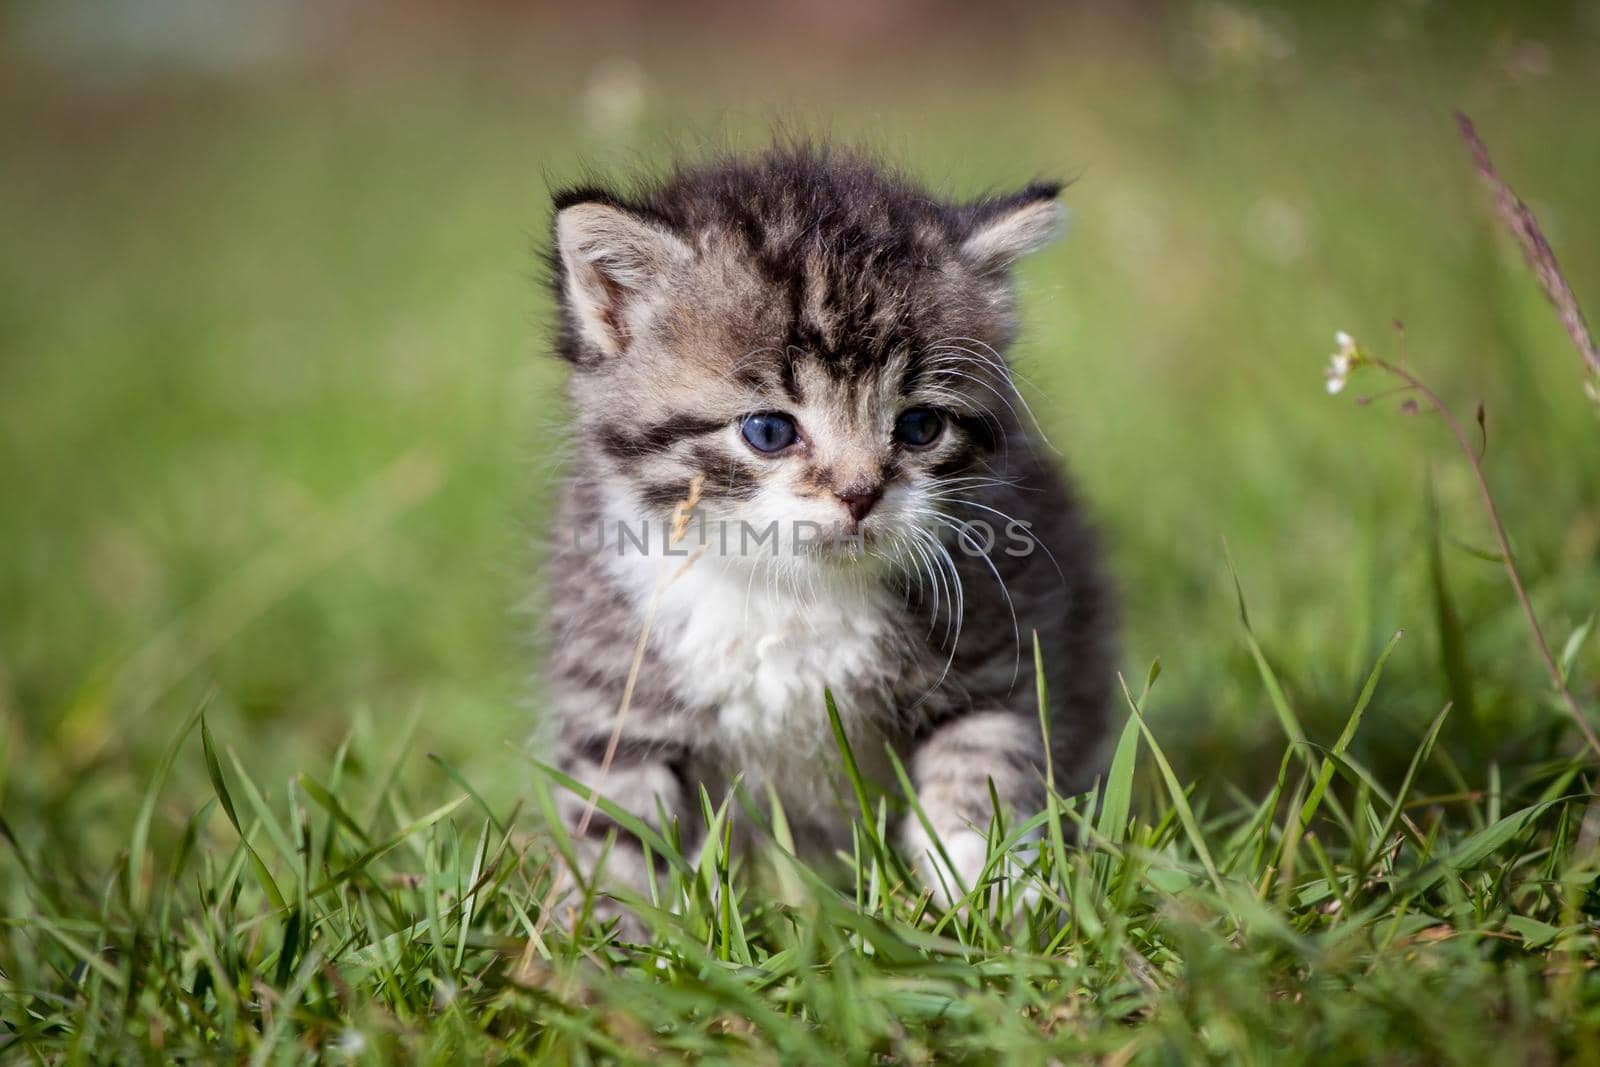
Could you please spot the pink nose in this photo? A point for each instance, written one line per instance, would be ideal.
(860, 501)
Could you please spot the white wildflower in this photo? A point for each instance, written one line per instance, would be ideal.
(1342, 362)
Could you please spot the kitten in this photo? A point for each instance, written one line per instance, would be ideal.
(811, 351)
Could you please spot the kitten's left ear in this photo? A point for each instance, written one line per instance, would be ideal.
(1003, 231)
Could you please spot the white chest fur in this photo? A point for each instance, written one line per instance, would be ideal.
(760, 648)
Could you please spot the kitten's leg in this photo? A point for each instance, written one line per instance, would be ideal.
(643, 778)
(951, 769)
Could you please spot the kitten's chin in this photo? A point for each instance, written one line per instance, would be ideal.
(864, 551)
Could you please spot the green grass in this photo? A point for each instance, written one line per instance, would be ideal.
(346, 922)
(276, 431)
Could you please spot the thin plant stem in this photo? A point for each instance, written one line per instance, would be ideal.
(1506, 556)
(680, 526)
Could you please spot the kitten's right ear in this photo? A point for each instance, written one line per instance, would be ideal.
(611, 263)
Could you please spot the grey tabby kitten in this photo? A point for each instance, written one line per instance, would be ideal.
(811, 351)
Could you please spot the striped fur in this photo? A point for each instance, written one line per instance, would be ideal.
(817, 285)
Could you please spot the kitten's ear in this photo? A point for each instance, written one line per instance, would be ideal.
(1002, 231)
(611, 263)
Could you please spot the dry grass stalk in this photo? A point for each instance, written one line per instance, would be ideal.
(680, 528)
(1541, 258)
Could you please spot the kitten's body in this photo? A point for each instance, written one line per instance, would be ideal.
(842, 300)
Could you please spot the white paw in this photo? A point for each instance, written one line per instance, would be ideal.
(961, 867)
(952, 874)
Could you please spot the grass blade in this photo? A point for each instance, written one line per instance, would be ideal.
(220, 786)
(1325, 775)
(1175, 791)
(147, 810)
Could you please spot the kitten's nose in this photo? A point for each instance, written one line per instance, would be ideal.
(859, 501)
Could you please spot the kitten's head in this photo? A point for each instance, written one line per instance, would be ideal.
(817, 341)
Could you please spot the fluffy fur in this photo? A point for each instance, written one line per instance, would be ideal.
(821, 287)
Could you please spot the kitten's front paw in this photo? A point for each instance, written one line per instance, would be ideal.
(951, 875)
(968, 857)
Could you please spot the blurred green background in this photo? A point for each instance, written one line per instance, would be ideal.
(278, 423)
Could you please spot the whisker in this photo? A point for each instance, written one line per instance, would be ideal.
(1016, 630)
(933, 619)
(964, 501)
(974, 481)
(954, 608)
(959, 614)
(1001, 396)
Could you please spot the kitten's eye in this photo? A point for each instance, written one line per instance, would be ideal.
(918, 427)
(768, 431)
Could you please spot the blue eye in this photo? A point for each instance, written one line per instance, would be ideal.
(918, 427)
(768, 431)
